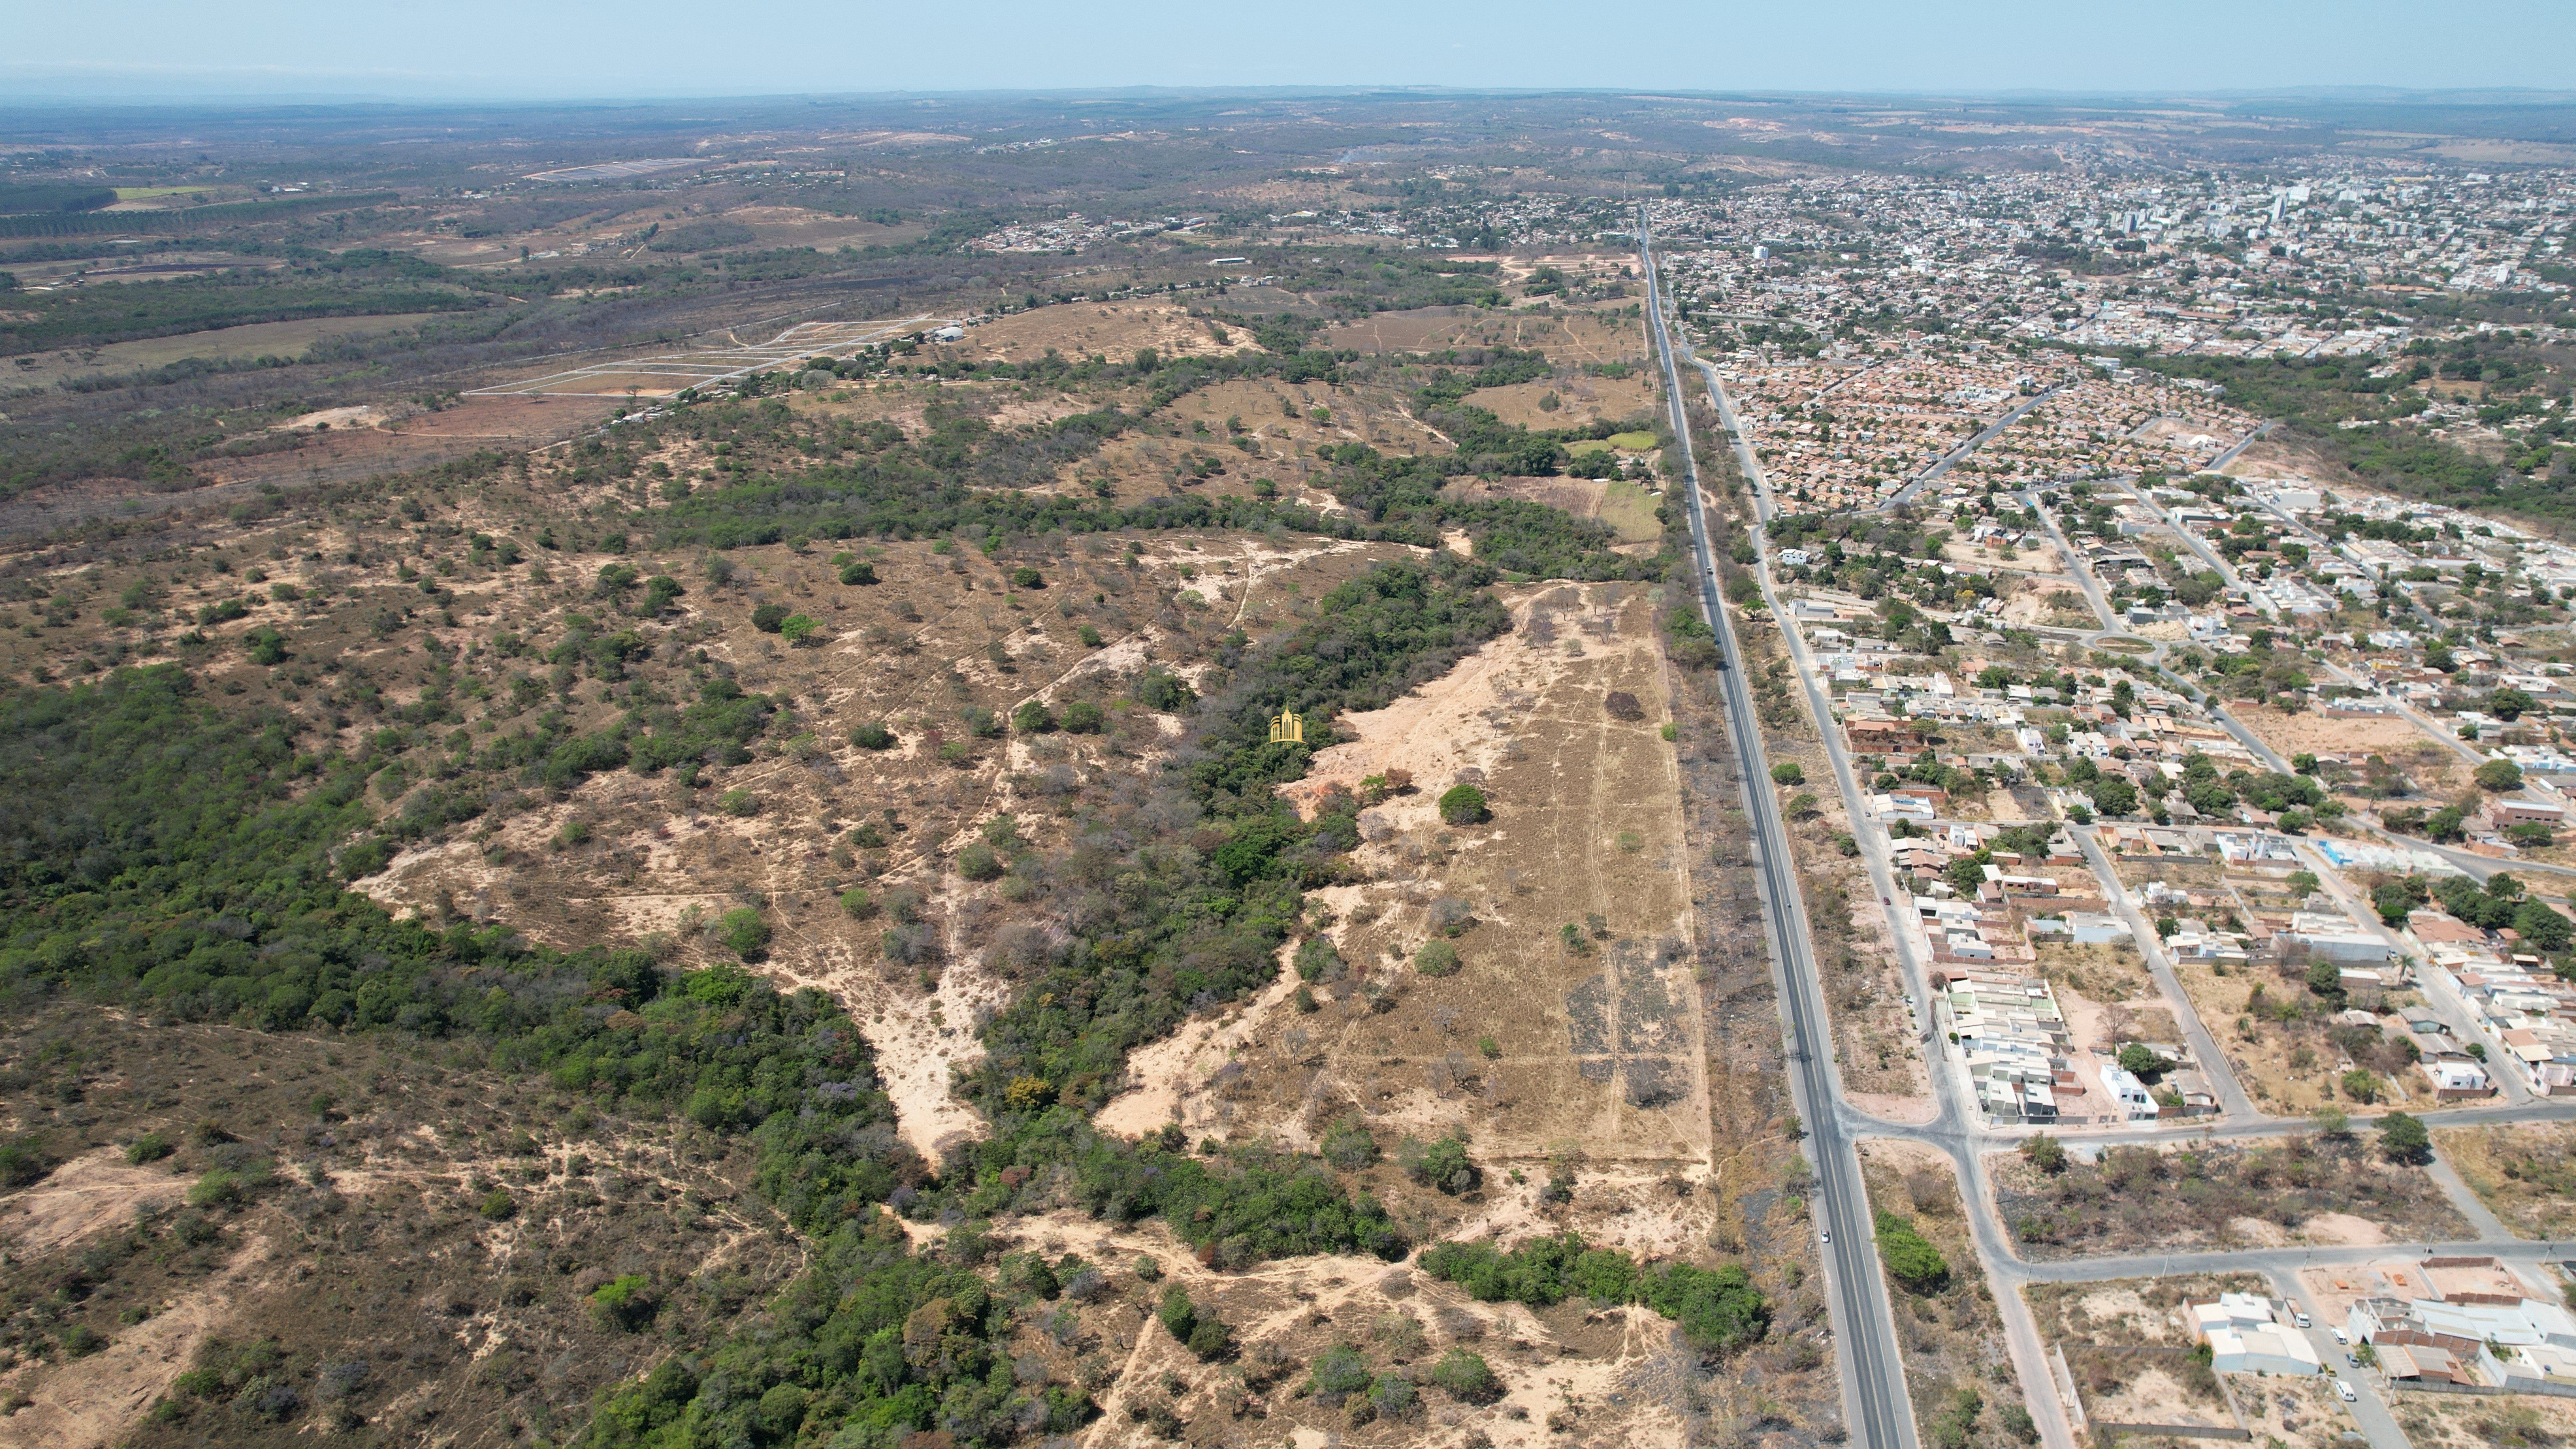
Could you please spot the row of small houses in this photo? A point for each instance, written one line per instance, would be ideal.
(2490, 1340)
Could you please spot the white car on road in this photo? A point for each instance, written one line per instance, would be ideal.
(2343, 1390)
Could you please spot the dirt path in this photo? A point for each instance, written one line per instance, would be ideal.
(96, 1401)
(82, 1198)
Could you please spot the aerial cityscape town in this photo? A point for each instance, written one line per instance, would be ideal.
(1288, 770)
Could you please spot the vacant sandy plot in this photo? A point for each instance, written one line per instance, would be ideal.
(2293, 1069)
(2436, 769)
(2130, 1310)
(2282, 458)
(2127, 1347)
(2148, 1386)
(1580, 400)
(1578, 496)
(2525, 1173)
(1563, 336)
(2314, 1191)
(1114, 329)
(2297, 1413)
(1539, 1044)
(2034, 558)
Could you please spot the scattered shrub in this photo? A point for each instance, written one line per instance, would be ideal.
(628, 1303)
(1440, 1163)
(978, 862)
(1339, 1372)
(743, 932)
(1349, 1145)
(1467, 1376)
(1163, 693)
(1463, 804)
(1911, 1259)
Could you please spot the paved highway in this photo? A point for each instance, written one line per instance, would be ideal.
(1873, 1372)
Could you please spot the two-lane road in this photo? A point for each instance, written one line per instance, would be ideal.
(1873, 1372)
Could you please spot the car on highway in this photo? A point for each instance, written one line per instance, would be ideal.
(1829, 1237)
(2343, 1390)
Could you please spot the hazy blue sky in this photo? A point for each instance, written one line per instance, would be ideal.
(539, 48)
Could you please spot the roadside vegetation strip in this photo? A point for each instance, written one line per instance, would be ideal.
(1718, 1307)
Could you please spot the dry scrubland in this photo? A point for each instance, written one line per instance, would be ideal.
(2516, 1421)
(1565, 336)
(375, 1231)
(2433, 772)
(1596, 1045)
(1609, 1053)
(2525, 1174)
(2312, 1189)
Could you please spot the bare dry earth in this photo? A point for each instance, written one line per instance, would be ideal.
(1596, 1052)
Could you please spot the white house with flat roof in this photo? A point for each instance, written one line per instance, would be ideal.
(2266, 1348)
(2129, 1092)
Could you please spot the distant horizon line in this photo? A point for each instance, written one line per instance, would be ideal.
(123, 92)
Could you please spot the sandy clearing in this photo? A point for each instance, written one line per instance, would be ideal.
(2257, 1232)
(1890, 1107)
(2343, 1230)
(2035, 558)
(88, 1195)
(919, 1039)
(1168, 1070)
(2154, 1396)
(1441, 728)
(96, 1401)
